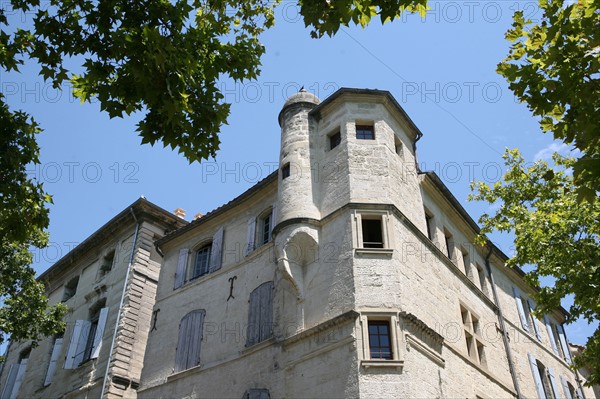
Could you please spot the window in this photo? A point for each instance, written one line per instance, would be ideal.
(265, 229)
(86, 337)
(70, 289)
(54, 355)
(256, 394)
(202, 261)
(399, 147)
(525, 307)
(207, 259)
(365, 132)
(466, 262)
(260, 314)
(473, 340)
(372, 232)
(380, 332)
(558, 339)
(16, 374)
(430, 225)
(449, 244)
(545, 382)
(187, 354)
(380, 345)
(569, 389)
(285, 171)
(482, 278)
(107, 263)
(335, 139)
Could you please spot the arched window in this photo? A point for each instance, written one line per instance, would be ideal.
(187, 354)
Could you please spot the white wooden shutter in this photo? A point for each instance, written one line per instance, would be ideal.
(520, 309)
(553, 383)
(536, 327)
(99, 333)
(73, 341)
(181, 268)
(81, 342)
(58, 342)
(253, 328)
(10, 381)
(273, 218)
(266, 311)
(563, 343)
(216, 251)
(250, 236)
(19, 378)
(190, 340)
(550, 334)
(565, 386)
(580, 393)
(182, 342)
(537, 378)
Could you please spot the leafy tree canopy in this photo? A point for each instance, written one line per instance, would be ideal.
(554, 67)
(555, 233)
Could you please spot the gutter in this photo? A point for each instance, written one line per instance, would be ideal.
(511, 364)
(129, 269)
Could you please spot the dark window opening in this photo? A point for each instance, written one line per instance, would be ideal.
(70, 289)
(285, 171)
(201, 265)
(265, 229)
(372, 233)
(429, 221)
(107, 262)
(379, 340)
(335, 140)
(365, 132)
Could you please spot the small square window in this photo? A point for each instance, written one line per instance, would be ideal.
(334, 140)
(379, 339)
(365, 132)
(285, 171)
(372, 233)
(70, 289)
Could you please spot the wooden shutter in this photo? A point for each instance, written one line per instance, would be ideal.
(253, 328)
(536, 327)
(84, 335)
(266, 311)
(190, 340)
(550, 334)
(273, 218)
(563, 343)
(565, 385)
(99, 333)
(53, 361)
(72, 351)
(10, 381)
(181, 268)
(553, 383)
(216, 251)
(537, 378)
(19, 378)
(250, 236)
(520, 309)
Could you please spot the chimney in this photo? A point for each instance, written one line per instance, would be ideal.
(198, 216)
(179, 213)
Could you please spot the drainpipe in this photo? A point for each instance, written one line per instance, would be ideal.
(419, 135)
(129, 267)
(575, 371)
(511, 364)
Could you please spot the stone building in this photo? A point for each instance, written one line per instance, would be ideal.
(347, 273)
(109, 283)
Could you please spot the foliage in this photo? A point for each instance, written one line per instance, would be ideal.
(554, 66)
(25, 313)
(554, 232)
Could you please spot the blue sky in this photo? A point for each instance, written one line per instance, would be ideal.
(441, 69)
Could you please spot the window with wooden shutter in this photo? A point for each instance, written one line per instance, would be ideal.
(536, 327)
(250, 236)
(216, 251)
(551, 334)
(563, 343)
(181, 268)
(187, 354)
(56, 349)
(521, 309)
(77, 344)
(260, 314)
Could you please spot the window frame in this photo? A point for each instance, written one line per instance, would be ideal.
(386, 231)
(474, 343)
(265, 228)
(334, 139)
(364, 128)
(391, 318)
(205, 245)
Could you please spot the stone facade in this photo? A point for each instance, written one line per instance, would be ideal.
(346, 273)
(109, 283)
(377, 287)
